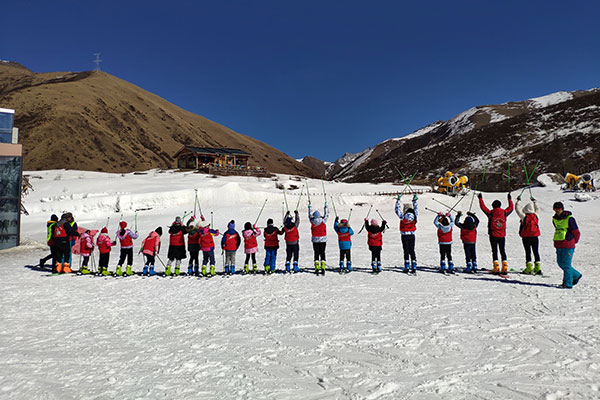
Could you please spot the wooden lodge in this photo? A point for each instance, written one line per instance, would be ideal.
(217, 160)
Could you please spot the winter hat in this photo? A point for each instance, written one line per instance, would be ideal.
(288, 221)
(317, 214)
(344, 222)
(374, 222)
(558, 204)
(469, 223)
(231, 224)
(158, 230)
(104, 230)
(53, 217)
(496, 204)
(177, 220)
(444, 220)
(270, 221)
(528, 209)
(247, 226)
(123, 224)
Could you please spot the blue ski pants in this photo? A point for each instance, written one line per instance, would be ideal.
(564, 257)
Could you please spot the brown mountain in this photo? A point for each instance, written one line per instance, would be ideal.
(561, 131)
(96, 121)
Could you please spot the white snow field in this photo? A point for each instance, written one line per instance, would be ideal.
(351, 336)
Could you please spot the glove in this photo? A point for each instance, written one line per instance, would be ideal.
(470, 213)
(254, 226)
(113, 243)
(366, 220)
(415, 197)
(508, 196)
(519, 198)
(399, 196)
(295, 211)
(440, 214)
(480, 196)
(532, 199)
(384, 222)
(337, 219)
(447, 214)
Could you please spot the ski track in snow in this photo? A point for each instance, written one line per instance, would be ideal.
(354, 336)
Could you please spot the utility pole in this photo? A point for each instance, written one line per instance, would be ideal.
(97, 61)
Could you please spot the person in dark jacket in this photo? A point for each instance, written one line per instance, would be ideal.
(230, 243)
(271, 245)
(566, 236)
(468, 235)
(292, 249)
(50, 241)
(62, 233)
(375, 242)
(176, 246)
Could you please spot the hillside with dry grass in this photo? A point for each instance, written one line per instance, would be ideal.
(96, 121)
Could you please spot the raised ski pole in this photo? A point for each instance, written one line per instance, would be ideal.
(195, 200)
(367, 217)
(333, 204)
(285, 198)
(406, 181)
(528, 178)
(211, 219)
(261, 210)
(107, 221)
(433, 211)
(282, 211)
(445, 205)
(298, 204)
(454, 206)
(482, 180)
(382, 219)
(349, 215)
(324, 195)
(509, 175)
(135, 219)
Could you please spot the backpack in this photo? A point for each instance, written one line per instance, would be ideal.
(529, 225)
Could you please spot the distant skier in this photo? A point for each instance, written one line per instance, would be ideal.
(375, 242)
(344, 232)
(62, 233)
(150, 249)
(50, 242)
(444, 223)
(104, 245)
(86, 247)
(318, 227)
(176, 246)
(126, 237)
(229, 244)
(468, 235)
(566, 236)
(529, 230)
(271, 234)
(292, 237)
(207, 245)
(497, 230)
(249, 234)
(408, 225)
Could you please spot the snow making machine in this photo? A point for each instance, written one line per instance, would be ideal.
(452, 184)
(583, 183)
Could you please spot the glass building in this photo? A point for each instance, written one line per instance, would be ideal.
(11, 172)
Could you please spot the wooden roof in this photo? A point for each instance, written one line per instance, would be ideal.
(213, 151)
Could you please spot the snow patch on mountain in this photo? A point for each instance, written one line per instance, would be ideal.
(550, 99)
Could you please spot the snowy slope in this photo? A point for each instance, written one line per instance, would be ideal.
(354, 336)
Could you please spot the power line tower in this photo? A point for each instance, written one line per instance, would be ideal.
(97, 61)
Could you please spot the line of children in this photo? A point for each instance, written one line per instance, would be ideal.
(375, 242)
(344, 232)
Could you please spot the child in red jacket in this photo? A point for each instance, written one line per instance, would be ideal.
(497, 230)
(104, 244)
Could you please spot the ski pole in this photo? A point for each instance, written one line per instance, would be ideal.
(261, 210)
(382, 219)
(308, 192)
(433, 211)
(161, 261)
(349, 215)
(367, 217)
(107, 221)
(285, 199)
(135, 219)
(211, 219)
(324, 195)
(437, 201)
(298, 204)
(476, 186)
(509, 175)
(454, 206)
(282, 211)
(195, 199)
(333, 204)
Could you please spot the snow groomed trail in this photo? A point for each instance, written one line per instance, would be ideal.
(355, 336)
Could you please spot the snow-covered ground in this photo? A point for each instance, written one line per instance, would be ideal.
(356, 336)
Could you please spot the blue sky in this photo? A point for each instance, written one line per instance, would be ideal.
(317, 78)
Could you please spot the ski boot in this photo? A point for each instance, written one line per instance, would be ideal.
(373, 267)
(272, 269)
(168, 271)
(296, 268)
(378, 266)
(151, 271)
(496, 269)
(177, 270)
(226, 270)
(104, 271)
(504, 267)
(323, 265)
(84, 270)
(528, 269)
(413, 267)
(406, 267)
(469, 267)
(212, 270)
(342, 268)
(246, 269)
(287, 267)
(266, 269)
(254, 269)
(537, 270)
(196, 270)
(232, 270)
(348, 266)
(190, 269)
(145, 270)
(66, 268)
(451, 267)
(119, 271)
(474, 270)
(128, 271)
(443, 267)
(317, 267)
(204, 270)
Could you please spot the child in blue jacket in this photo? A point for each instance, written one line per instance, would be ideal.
(344, 231)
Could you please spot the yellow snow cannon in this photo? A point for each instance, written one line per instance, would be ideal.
(451, 184)
(584, 182)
